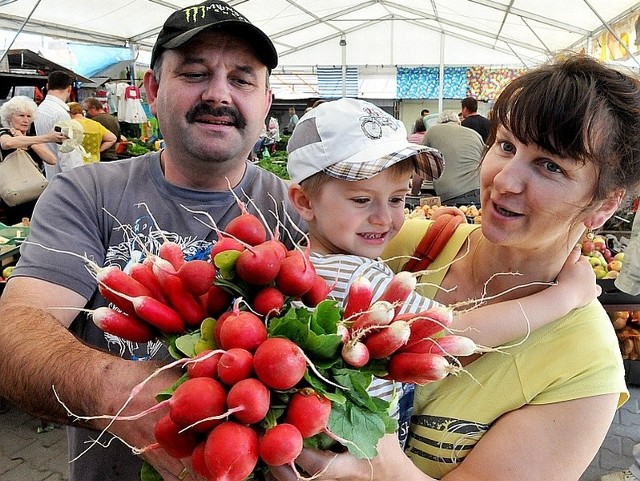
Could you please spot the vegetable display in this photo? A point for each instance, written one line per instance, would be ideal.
(271, 363)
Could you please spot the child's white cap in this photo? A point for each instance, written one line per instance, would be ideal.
(352, 139)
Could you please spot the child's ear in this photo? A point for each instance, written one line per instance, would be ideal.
(301, 202)
(608, 207)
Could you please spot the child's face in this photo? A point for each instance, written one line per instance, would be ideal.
(358, 217)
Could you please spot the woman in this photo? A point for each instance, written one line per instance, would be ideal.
(16, 116)
(564, 150)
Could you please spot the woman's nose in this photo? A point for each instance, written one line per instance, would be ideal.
(510, 177)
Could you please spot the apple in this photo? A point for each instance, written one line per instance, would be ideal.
(587, 247)
(611, 275)
(6, 272)
(594, 261)
(600, 272)
(615, 266)
(619, 256)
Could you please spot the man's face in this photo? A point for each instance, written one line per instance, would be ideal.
(91, 111)
(212, 98)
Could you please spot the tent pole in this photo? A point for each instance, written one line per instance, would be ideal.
(26, 20)
(343, 44)
(441, 79)
(615, 35)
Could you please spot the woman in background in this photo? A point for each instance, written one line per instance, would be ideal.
(16, 117)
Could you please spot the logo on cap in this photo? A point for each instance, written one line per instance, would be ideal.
(192, 14)
(373, 123)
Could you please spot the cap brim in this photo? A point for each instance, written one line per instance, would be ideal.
(428, 161)
(260, 42)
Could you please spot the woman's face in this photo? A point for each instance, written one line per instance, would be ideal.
(21, 121)
(530, 198)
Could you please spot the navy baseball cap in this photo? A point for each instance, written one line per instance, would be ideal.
(186, 23)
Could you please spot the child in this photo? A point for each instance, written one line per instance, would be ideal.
(350, 164)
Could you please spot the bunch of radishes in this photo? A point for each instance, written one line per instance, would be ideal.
(222, 414)
(167, 295)
(271, 363)
(412, 345)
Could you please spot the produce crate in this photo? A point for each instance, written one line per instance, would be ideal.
(632, 372)
(612, 295)
(13, 235)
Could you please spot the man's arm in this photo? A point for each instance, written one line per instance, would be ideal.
(40, 354)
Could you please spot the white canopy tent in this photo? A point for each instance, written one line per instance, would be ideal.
(364, 33)
(376, 32)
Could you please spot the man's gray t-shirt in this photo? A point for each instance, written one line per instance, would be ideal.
(84, 210)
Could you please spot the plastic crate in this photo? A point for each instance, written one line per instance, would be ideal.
(15, 235)
(612, 295)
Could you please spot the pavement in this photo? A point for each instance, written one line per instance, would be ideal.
(29, 455)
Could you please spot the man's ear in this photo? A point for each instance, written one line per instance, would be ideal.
(300, 202)
(151, 89)
(608, 207)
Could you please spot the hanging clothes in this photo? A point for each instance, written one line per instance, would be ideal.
(130, 108)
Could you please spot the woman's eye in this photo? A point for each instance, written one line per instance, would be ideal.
(552, 167)
(360, 200)
(507, 147)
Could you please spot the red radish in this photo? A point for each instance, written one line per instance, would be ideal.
(162, 269)
(278, 246)
(419, 368)
(218, 300)
(247, 228)
(258, 265)
(207, 367)
(197, 461)
(226, 244)
(122, 325)
(296, 275)
(235, 365)
(231, 452)
(248, 401)
(157, 314)
(279, 363)
(197, 399)
(452, 345)
(197, 276)
(143, 273)
(309, 412)
(269, 301)
(399, 289)
(319, 291)
(359, 297)
(385, 342)
(243, 330)
(355, 353)
(281, 445)
(221, 320)
(183, 302)
(427, 323)
(177, 445)
(112, 282)
(380, 313)
(172, 252)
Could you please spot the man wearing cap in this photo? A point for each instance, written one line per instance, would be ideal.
(209, 90)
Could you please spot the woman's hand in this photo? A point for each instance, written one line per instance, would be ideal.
(328, 466)
(53, 136)
(578, 280)
(16, 132)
